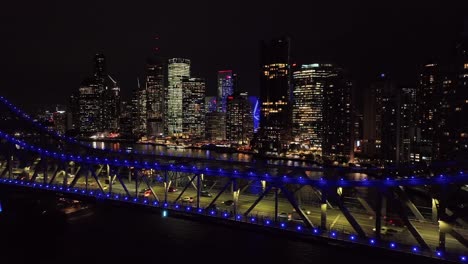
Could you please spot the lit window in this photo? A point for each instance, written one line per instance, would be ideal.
(465, 66)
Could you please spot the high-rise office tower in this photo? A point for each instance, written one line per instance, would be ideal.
(99, 67)
(459, 121)
(428, 98)
(98, 100)
(99, 79)
(111, 105)
(308, 87)
(225, 88)
(239, 119)
(74, 111)
(210, 104)
(125, 121)
(215, 126)
(407, 131)
(138, 113)
(89, 101)
(193, 102)
(178, 69)
(155, 105)
(337, 116)
(275, 95)
(390, 132)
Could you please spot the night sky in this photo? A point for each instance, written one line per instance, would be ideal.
(47, 46)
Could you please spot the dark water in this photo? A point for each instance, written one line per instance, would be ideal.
(194, 153)
(124, 235)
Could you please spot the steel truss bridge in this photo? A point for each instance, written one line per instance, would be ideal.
(410, 209)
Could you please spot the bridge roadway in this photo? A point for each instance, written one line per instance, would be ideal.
(335, 218)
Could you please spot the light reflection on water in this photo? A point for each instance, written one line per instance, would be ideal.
(162, 150)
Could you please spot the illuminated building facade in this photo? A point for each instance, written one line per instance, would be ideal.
(255, 105)
(215, 126)
(459, 125)
(225, 88)
(178, 69)
(111, 105)
(307, 117)
(96, 106)
(239, 119)
(275, 93)
(155, 105)
(89, 101)
(210, 104)
(337, 116)
(138, 112)
(193, 93)
(428, 91)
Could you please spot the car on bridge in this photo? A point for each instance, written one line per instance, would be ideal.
(384, 230)
(146, 192)
(282, 217)
(206, 194)
(228, 202)
(187, 199)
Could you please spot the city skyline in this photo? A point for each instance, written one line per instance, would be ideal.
(363, 38)
(337, 125)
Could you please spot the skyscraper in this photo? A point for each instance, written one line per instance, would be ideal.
(225, 88)
(98, 101)
(308, 85)
(275, 95)
(429, 94)
(387, 111)
(155, 89)
(138, 113)
(459, 121)
(337, 119)
(178, 68)
(89, 101)
(215, 126)
(407, 130)
(239, 119)
(111, 105)
(193, 101)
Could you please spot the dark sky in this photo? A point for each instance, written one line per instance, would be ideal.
(47, 46)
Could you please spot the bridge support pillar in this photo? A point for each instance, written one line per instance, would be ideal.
(235, 196)
(378, 214)
(435, 215)
(88, 173)
(109, 178)
(10, 167)
(442, 217)
(166, 188)
(137, 181)
(44, 171)
(199, 176)
(323, 210)
(276, 203)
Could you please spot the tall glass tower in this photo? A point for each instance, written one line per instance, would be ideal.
(275, 95)
(178, 69)
(307, 116)
(155, 105)
(225, 88)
